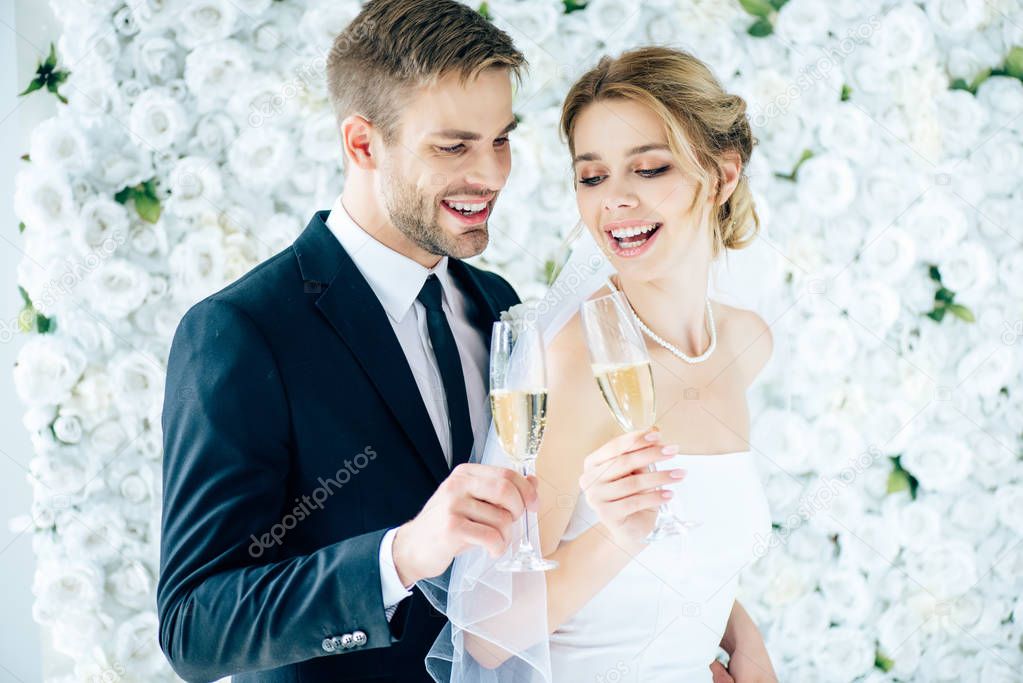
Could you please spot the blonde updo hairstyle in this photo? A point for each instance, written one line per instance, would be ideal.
(702, 121)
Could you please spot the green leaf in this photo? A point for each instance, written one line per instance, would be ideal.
(959, 84)
(484, 11)
(934, 273)
(24, 296)
(962, 312)
(44, 325)
(51, 59)
(574, 5)
(124, 195)
(21, 227)
(883, 663)
(26, 157)
(898, 480)
(758, 8)
(937, 314)
(148, 207)
(32, 87)
(778, 4)
(1014, 62)
(846, 93)
(945, 295)
(760, 28)
(978, 79)
(899, 476)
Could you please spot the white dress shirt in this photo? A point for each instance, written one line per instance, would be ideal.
(397, 280)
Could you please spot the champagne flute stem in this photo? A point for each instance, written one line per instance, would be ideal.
(525, 544)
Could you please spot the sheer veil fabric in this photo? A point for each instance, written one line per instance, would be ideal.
(500, 615)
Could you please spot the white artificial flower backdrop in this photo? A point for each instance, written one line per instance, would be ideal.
(889, 157)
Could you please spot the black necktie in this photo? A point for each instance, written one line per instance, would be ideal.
(450, 365)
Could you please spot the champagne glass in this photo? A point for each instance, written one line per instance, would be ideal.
(518, 404)
(621, 365)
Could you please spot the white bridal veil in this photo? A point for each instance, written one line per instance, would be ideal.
(500, 617)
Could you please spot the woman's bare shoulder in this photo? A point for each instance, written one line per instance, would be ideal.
(747, 334)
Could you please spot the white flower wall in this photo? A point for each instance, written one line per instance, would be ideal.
(197, 141)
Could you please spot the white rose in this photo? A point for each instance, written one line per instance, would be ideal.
(121, 162)
(844, 654)
(196, 185)
(261, 157)
(803, 22)
(46, 370)
(611, 21)
(131, 584)
(939, 461)
(213, 132)
(205, 21)
(1002, 98)
(890, 254)
(527, 23)
(902, 38)
(108, 438)
(845, 592)
(827, 185)
(58, 143)
(138, 646)
(68, 428)
(43, 201)
(807, 615)
(103, 227)
(320, 138)
(785, 438)
(945, 568)
(197, 265)
(962, 119)
(937, 225)
(77, 582)
(321, 23)
(986, 369)
(159, 119)
(265, 100)
(826, 344)
(1009, 504)
(79, 633)
(844, 129)
(118, 287)
(999, 156)
(213, 71)
(872, 544)
(137, 379)
(956, 17)
(158, 57)
(919, 525)
(949, 661)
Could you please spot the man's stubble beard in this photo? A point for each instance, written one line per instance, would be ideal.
(416, 216)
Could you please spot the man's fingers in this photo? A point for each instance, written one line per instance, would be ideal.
(503, 487)
(488, 538)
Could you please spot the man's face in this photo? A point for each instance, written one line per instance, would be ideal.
(441, 175)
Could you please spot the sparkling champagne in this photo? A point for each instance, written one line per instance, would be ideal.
(519, 419)
(628, 390)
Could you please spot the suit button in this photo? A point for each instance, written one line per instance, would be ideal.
(347, 641)
(328, 645)
(359, 638)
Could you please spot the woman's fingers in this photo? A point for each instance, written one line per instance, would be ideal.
(637, 483)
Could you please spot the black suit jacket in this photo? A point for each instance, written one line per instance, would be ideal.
(294, 436)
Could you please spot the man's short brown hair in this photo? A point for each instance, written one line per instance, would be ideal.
(393, 45)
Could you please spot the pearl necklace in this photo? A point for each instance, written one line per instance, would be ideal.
(668, 345)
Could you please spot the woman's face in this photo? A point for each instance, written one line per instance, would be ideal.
(632, 194)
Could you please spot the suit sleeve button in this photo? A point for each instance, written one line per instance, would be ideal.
(328, 645)
(359, 638)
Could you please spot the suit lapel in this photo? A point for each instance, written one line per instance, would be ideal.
(353, 310)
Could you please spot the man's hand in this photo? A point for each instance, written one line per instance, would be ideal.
(477, 505)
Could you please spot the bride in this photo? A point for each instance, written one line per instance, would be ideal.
(658, 151)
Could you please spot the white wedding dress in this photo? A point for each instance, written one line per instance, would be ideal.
(662, 617)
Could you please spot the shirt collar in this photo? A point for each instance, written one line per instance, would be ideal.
(394, 278)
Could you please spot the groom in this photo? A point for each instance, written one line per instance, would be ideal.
(337, 391)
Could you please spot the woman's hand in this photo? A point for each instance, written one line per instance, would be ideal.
(720, 673)
(619, 486)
